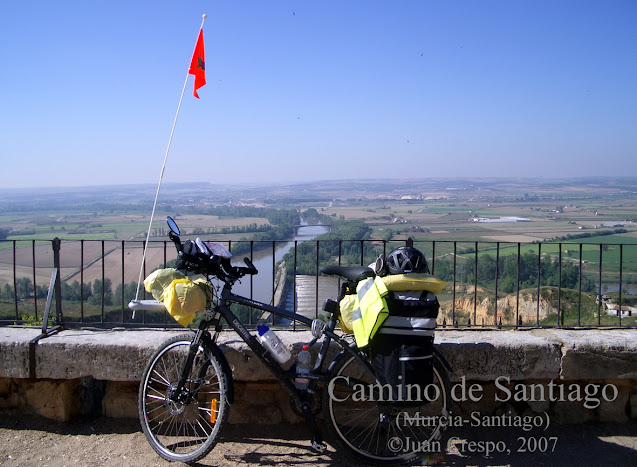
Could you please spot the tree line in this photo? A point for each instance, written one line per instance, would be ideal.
(90, 292)
(273, 215)
(506, 271)
(282, 222)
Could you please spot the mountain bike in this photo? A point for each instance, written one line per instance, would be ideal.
(187, 388)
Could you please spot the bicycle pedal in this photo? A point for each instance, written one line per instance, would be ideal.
(319, 447)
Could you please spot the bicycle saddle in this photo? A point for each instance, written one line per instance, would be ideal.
(352, 273)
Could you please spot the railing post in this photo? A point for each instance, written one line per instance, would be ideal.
(15, 284)
(124, 278)
(539, 282)
(579, 295)
(620, 282)
(294, 307)
(497, 273)
(104, 281)
(273, 274)
(81, 281)
(599, 293)
(475, 289)
(453, 302)
(35, 284)
(517, 292)
(560, 319)
(316, 299)
(58, 284)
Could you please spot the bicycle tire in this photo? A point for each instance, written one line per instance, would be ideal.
(183, 432)
(357, 426)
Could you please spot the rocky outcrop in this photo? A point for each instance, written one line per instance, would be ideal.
(485, 309)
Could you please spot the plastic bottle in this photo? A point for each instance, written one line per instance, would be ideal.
(272, 342)
(303, 361)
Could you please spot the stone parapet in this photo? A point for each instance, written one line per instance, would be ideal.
(88, 371)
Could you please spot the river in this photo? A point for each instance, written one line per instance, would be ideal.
(259, 287)
(627, 289)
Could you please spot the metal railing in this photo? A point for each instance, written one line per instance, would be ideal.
(490, 284)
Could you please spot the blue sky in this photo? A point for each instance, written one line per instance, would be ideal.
(313, 90)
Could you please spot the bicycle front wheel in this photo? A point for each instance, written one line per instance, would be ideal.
(183, 428)
(378, 432)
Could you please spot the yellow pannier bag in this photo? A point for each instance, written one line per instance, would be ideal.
(183, 298)
(413, 281)
(370, 310)
(157, 281)
(347, 305)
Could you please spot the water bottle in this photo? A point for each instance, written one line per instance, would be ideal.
(303, 361)
(272, 342)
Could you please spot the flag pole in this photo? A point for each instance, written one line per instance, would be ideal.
(161, 176)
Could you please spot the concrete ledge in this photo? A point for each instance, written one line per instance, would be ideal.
(107, 366)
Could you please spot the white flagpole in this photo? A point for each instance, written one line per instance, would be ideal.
(161, 176)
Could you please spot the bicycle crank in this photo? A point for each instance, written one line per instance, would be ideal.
(297, 408)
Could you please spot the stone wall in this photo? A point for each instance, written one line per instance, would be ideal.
(566, 375)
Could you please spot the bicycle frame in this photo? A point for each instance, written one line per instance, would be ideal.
(223, 310)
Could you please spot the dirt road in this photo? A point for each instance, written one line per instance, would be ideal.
(33, 441)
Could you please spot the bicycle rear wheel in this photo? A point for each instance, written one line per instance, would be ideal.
(380, 432)
(183, 429)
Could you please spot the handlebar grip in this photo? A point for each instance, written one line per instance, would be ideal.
(251, 267)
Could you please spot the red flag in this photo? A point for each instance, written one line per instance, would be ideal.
(198, 65)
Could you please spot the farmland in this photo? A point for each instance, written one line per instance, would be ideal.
(102, 231)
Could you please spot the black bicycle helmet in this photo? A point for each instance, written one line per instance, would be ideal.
(406, 259)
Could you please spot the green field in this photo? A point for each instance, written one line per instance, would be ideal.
(610, 247)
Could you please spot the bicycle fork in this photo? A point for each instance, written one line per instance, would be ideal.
(177, 393)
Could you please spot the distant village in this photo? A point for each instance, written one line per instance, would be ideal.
(613, 308)
(500, 219)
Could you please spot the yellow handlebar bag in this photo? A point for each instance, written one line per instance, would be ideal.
(183, 298)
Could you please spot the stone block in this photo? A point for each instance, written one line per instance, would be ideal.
(633, 405)
(571, 412)
(598, 354)
(58, 400)
(14, 351)
(10, 392)
(617, 410)
(598, 363)
(261, 403)
(120, 400)
(245, 365)
(115, 355)
(485, 356)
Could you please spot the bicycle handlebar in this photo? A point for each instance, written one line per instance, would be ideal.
(214, 265)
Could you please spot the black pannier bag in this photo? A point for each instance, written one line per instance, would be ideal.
(402, 349)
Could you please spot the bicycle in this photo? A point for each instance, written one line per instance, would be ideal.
(187, 387)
